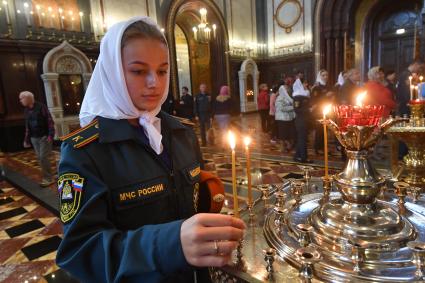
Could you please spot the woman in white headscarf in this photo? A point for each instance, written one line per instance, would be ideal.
(285, 116)
(129, 179)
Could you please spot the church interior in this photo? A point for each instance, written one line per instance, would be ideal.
(333, 194)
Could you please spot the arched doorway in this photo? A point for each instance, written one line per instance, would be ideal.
(353, 33)
(390, 35)
(208, 61)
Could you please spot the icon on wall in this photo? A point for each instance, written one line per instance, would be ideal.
(288, 13)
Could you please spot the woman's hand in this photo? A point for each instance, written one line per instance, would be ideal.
(209, 239)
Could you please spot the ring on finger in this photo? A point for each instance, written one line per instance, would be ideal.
(216, 247)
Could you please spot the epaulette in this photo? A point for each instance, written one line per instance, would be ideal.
(83, 136)
(184, 121)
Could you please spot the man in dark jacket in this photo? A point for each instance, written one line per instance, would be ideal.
(202, 111)
(40, 131)
(185, 109)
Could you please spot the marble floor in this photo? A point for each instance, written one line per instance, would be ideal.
(30, 230)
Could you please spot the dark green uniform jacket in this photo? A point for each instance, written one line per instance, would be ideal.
(123, 205)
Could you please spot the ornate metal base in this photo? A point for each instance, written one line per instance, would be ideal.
(386, 258)
(375, 226)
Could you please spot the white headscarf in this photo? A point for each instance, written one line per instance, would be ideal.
(340, 79)
(284, 94)
(319, 78)
(107, 95)
(298, 89)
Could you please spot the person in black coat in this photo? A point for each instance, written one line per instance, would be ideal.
(185, 109)
(203, 112)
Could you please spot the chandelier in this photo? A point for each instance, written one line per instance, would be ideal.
(202, 32)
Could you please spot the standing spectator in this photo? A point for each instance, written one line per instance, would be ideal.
(222, 109)
(321, 94)
(284, 116)
(377, 93)
(202, 111)
(186, 104)
(301, 96)
(350, 88)
(263, 101)
(40, 131)
(168, 105)
(403, 89)
(403, 97)
(391, 82)
(273, 123)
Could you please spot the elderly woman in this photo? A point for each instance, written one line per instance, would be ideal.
(285, 115)
(377, 92)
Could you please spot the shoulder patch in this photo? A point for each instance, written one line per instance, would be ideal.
(83, 136)
(70, 187)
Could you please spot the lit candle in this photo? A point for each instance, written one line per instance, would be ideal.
(203, 13)
(70, 13)
(92, 27)
(232, 143)
(247, 141)
(359, 98)
(421, 78)
(51, 16)
(42, 18)
(27, 14)
(61, 18)
(325, 136)
(411, 87)
(6, 11)
(417, 93)
(195, 31)
(81, 21)
(38, 8)
(214, 29)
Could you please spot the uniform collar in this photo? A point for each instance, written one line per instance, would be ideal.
(118, 130)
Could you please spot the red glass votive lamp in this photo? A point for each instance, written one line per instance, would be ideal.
(349, 115)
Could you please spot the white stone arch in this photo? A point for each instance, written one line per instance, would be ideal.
(63, 59)
(249, 67)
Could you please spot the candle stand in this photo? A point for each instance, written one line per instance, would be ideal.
(412, 134)
(352, 234)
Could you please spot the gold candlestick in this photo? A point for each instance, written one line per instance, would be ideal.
(232, 142)
(325, 136)
(247, 141)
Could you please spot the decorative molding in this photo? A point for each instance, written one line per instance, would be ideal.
(282, 22)
(68, 65)
(289, 47)
(63, 59)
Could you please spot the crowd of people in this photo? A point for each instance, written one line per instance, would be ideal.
(290, 111)
(129, 180)
(295, 107)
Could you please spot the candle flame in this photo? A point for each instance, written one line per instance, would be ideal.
(247, 141)
(232, 140)
(360, 97)
(421, 78)
(326, 110)
(410, 77)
